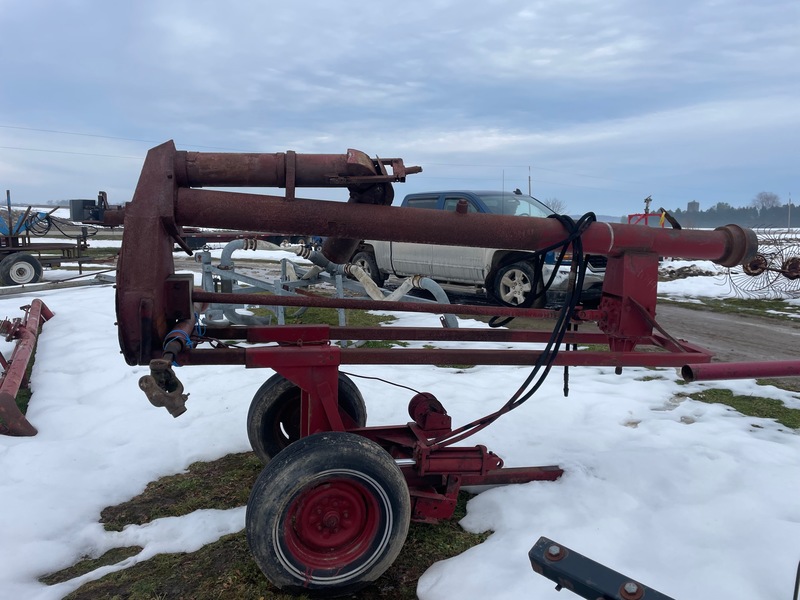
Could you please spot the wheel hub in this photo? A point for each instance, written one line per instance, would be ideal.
(22, 273)
(332, 518)
(517, 286)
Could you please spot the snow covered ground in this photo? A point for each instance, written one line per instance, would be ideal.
(692, 499)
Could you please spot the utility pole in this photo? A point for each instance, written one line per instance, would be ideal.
(529, 181)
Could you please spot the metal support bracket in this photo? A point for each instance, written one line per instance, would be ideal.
(585, 577)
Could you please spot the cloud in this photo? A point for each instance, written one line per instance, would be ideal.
(599, 97)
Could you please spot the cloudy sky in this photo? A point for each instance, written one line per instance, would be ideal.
(598, 104)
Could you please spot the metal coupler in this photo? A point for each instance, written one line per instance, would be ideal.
(163, 388)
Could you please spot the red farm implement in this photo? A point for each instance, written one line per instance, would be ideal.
(330, 511)
(23, 332)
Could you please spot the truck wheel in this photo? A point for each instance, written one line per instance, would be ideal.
(329, 515)
(19, 269)
(514, 286)
(273, 421)
(367, 262)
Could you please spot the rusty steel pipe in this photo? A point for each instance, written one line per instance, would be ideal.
(729, 246)
(366, 179)
(151, 227)
(25, 331)
(149, 299)
(230, 169)
(741, 370)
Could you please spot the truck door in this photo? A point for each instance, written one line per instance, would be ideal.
(414, 259)
(460, 263)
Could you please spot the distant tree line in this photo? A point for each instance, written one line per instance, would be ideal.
(43, 203)
(765, 210)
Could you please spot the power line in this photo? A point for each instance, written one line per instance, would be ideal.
(574, 185)
(110, 137)
(541, 169)
(93, 135)
(127, 139)
(69, 152)
(638, 184)
(494, 166)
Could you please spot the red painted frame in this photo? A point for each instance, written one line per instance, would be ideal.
(25, 332)
(152, 301)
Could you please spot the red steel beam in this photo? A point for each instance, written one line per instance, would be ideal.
(729, 246)
(277, 357)
(741, 370)
(25, 331)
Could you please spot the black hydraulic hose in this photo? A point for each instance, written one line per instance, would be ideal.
(44, 226)
(548, 355)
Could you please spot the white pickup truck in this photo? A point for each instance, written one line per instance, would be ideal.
(507, 276)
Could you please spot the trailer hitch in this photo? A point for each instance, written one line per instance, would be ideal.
(163, 388)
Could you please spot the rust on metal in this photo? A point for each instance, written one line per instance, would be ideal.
(741, 370)
(24, 331)
(729, 245)
(167, 199)
(163, 388)
(756, 266)
(631, 590)
(153, 225)
(791, 268)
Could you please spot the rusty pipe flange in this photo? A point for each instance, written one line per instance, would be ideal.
(741, 246)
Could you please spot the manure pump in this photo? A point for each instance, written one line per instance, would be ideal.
(330, 511)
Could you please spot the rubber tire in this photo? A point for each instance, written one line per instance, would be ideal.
(20, 268)
(273, 421)
(366, 260)
(507, 276)
(328, 471)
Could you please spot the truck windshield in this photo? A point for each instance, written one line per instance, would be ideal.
(515, 204)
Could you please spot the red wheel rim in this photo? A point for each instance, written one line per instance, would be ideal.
(332, 525)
